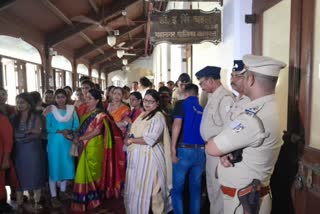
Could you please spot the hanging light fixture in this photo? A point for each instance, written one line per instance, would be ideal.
(120, 53)
(111, 39)
(124, 61)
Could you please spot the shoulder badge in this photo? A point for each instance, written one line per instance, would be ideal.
(236, 126)
(252, 111)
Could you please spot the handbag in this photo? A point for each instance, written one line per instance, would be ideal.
(74, 150)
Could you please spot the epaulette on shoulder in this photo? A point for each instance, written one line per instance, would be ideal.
(252, 111)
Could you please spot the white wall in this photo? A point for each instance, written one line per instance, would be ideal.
(236, 39)
(276, 44)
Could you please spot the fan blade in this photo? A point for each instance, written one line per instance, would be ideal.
(129, 54)
(124, 48)
(84, 19)
(94, 6)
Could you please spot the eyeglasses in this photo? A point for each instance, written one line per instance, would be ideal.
(148, 101)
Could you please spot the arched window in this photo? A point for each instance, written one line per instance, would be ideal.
(21, 65)
(82, 70)
(62, 70)
(95, 76)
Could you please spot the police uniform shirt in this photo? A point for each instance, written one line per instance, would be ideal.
(246, 132)
(215, 113)
(238, 107)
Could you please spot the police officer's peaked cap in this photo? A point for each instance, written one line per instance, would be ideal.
(209, 71)
(263, 65)
(238, 66)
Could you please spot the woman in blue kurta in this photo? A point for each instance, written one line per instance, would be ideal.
(60, 121)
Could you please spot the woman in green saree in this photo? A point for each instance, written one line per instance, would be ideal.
(94, 171)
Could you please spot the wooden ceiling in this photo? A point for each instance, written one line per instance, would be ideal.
(80, 28)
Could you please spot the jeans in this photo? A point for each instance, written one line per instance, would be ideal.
(192, 163)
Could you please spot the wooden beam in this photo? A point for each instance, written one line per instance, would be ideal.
(134, 42)
(66, 20)
(102, 41)
(259, 6)
(54, 38)
(57, 12)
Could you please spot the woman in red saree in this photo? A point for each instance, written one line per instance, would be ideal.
(119, 112)
(94, 175)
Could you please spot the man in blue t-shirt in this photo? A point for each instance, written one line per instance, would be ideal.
(188, 155)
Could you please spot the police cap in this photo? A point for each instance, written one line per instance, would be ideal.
(238, 66)
(263, 65)
(209, 71)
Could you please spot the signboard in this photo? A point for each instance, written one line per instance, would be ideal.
(186, 26)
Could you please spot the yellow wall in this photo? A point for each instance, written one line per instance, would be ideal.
(315, 111)
(276, 37)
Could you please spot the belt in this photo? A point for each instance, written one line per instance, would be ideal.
(232, 191)
(190, 146)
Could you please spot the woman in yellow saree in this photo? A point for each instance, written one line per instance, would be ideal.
(94, 171)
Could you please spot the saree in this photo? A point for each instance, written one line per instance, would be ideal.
(149, 169)
(94, 174)
(119, 157)
(118, 134)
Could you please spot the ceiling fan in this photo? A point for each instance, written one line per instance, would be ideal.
(102, 25)
(120, 46)
(121, 53)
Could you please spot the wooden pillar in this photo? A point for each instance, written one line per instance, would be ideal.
(54, 79)
(43, 80)
(74, 74)
(47, 69)
(90, 71)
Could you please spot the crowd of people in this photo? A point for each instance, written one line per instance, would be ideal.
(144, 144)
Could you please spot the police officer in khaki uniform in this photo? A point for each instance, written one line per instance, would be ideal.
(257, 131)
(213, 120)
(237, 80)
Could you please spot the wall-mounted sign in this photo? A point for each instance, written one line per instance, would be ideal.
(186, 26)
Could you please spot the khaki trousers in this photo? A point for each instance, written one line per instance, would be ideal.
(213, 186)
